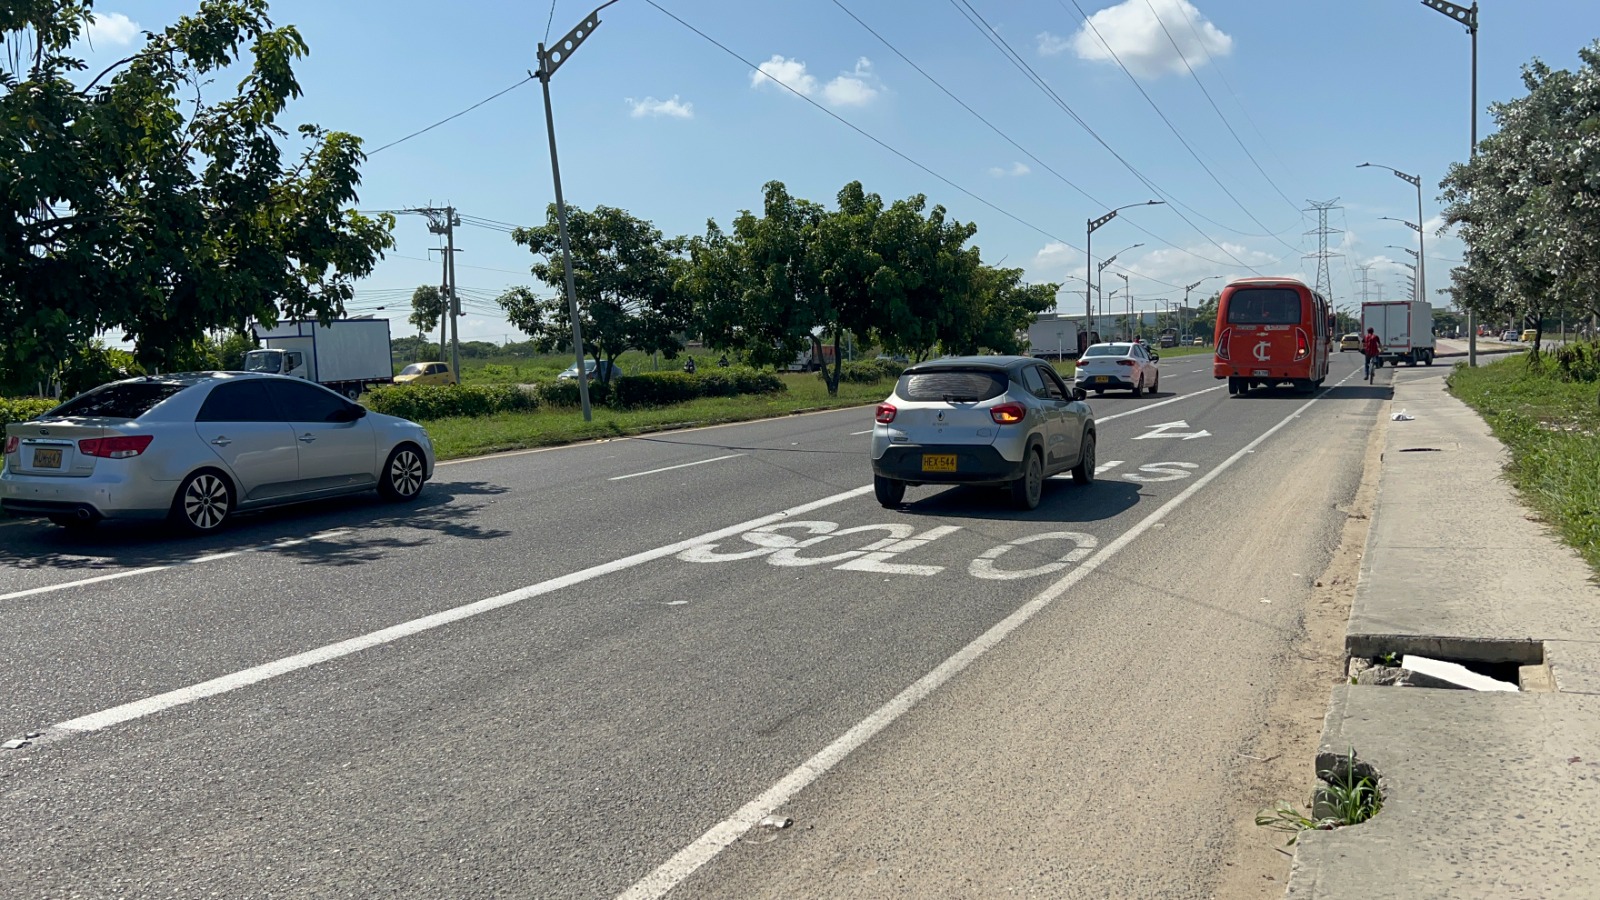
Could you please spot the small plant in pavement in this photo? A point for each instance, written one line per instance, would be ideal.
(1348, 797)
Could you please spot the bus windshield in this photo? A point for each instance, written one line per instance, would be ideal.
(1264, 306)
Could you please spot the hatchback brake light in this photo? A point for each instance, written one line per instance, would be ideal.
(885, 413)
(11, 443)
(121, 447)
(1222, 344)
(1007, 413)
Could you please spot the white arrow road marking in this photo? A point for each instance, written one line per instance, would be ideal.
(1167, 430)
(675, 870)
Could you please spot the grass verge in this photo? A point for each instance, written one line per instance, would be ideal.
(1552, 429)
(547, 427)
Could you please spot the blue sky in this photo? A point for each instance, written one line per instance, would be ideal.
(655, 119)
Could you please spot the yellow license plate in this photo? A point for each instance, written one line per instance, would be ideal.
(47, 457)
(1102, 379)
(938, 462)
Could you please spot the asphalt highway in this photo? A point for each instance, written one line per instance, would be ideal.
(591, 671)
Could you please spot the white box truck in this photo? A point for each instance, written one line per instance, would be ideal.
(347, 355)
(1404, 329)
(1056, 336)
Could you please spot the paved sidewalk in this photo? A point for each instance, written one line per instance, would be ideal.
(1492, 795)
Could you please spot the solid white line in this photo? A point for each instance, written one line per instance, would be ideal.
(679, 466)
(1154, 405)
(854, 433)
(673, 872)
(160, 702)
(212, 557)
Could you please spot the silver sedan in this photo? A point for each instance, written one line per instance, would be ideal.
(197, 447)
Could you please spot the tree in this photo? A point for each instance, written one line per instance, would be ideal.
(626, 277)
(428, 309)
(136, 203)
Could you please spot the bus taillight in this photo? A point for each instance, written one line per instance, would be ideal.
(1302, 344)
(1222, 343)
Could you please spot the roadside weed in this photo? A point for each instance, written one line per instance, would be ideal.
(1346, 797)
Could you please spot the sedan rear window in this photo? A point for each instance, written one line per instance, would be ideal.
(952, 385)
(118, 401)
(1264, 306)
(1106, 350)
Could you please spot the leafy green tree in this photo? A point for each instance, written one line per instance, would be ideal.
(625, 276)
(138, 202)
(428, 310)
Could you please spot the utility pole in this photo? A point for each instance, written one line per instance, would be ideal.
(549, 61)
(1324, 281)
(1127, 294)
(444, 221)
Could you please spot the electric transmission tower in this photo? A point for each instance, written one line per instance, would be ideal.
(1324, 282)
(1366, 289)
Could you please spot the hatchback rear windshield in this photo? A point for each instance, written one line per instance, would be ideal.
(118, 401)
(952, 385)
(1264, 306)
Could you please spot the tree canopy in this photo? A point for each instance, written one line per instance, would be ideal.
(137, 202)
(1528, 205)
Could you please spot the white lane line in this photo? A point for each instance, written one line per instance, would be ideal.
(1162, 403)
(854, 433)
(686, 465)
(1107, 466)
(211, 557)
(245, 677)
(673, 872)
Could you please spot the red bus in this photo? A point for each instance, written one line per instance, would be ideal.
(1272, 331)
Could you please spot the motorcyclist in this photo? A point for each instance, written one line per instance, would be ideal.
(688, 365)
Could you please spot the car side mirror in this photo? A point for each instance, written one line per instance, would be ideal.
(353, 412)
(1079, 393)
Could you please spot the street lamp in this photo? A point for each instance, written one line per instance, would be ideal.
(1416, 182)
(1088, 248)
(1186, 289)
(1398, 247)
(1467, 16)
(1100, 272)
(1127, 295)
(549, 62)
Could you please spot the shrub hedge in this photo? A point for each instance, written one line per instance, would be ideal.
(443, 401)
(868, 371)
(16, 410)
(667, 388)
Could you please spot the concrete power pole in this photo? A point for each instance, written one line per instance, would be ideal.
(1324, 281)
(450, 222)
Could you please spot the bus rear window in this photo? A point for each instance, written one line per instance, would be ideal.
(1264, 306)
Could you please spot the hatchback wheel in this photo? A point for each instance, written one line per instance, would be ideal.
(888, 491)
(1029, 489)
(1083, 472)
(204, 502)
(402, 474)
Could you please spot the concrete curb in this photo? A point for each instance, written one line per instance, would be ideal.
(1486, 795)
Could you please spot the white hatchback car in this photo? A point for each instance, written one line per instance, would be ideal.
(1118, 366)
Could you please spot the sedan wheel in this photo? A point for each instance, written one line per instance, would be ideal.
(203, 503)
(1138, 389)
(1083, 472)
(1029, 489)
(402, 474)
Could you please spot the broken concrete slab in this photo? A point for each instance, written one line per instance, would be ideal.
(1426, 672)
(1485, 795)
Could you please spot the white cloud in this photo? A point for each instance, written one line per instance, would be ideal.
(791, 72)
(857, 87)
(652, 107)
(1134, 33)
(854, 88)
(1016, 170)
(112, 28)
(1052, 44)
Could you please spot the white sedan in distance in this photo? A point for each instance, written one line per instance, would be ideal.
(1118, 367)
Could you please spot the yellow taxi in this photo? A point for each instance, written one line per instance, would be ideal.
(425, 373)
(1351, 341)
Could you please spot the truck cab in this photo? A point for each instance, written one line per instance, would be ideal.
(278, 362)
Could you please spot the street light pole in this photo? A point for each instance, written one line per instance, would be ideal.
(1416, 182)
(1186, 289)
(1127, 294)
(549, 61)
(1467, 16)
(1088, 250)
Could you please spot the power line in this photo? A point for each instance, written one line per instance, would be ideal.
(1176, 133)
(1201, 85)
(993, 36)
(449, 118)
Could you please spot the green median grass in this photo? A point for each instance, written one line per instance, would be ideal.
(1552, 429)
(551, 426)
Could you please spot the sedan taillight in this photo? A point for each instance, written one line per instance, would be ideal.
(1125, 362)
(1007, 413)
(115, 447)
(11, 443)
(885, 413)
